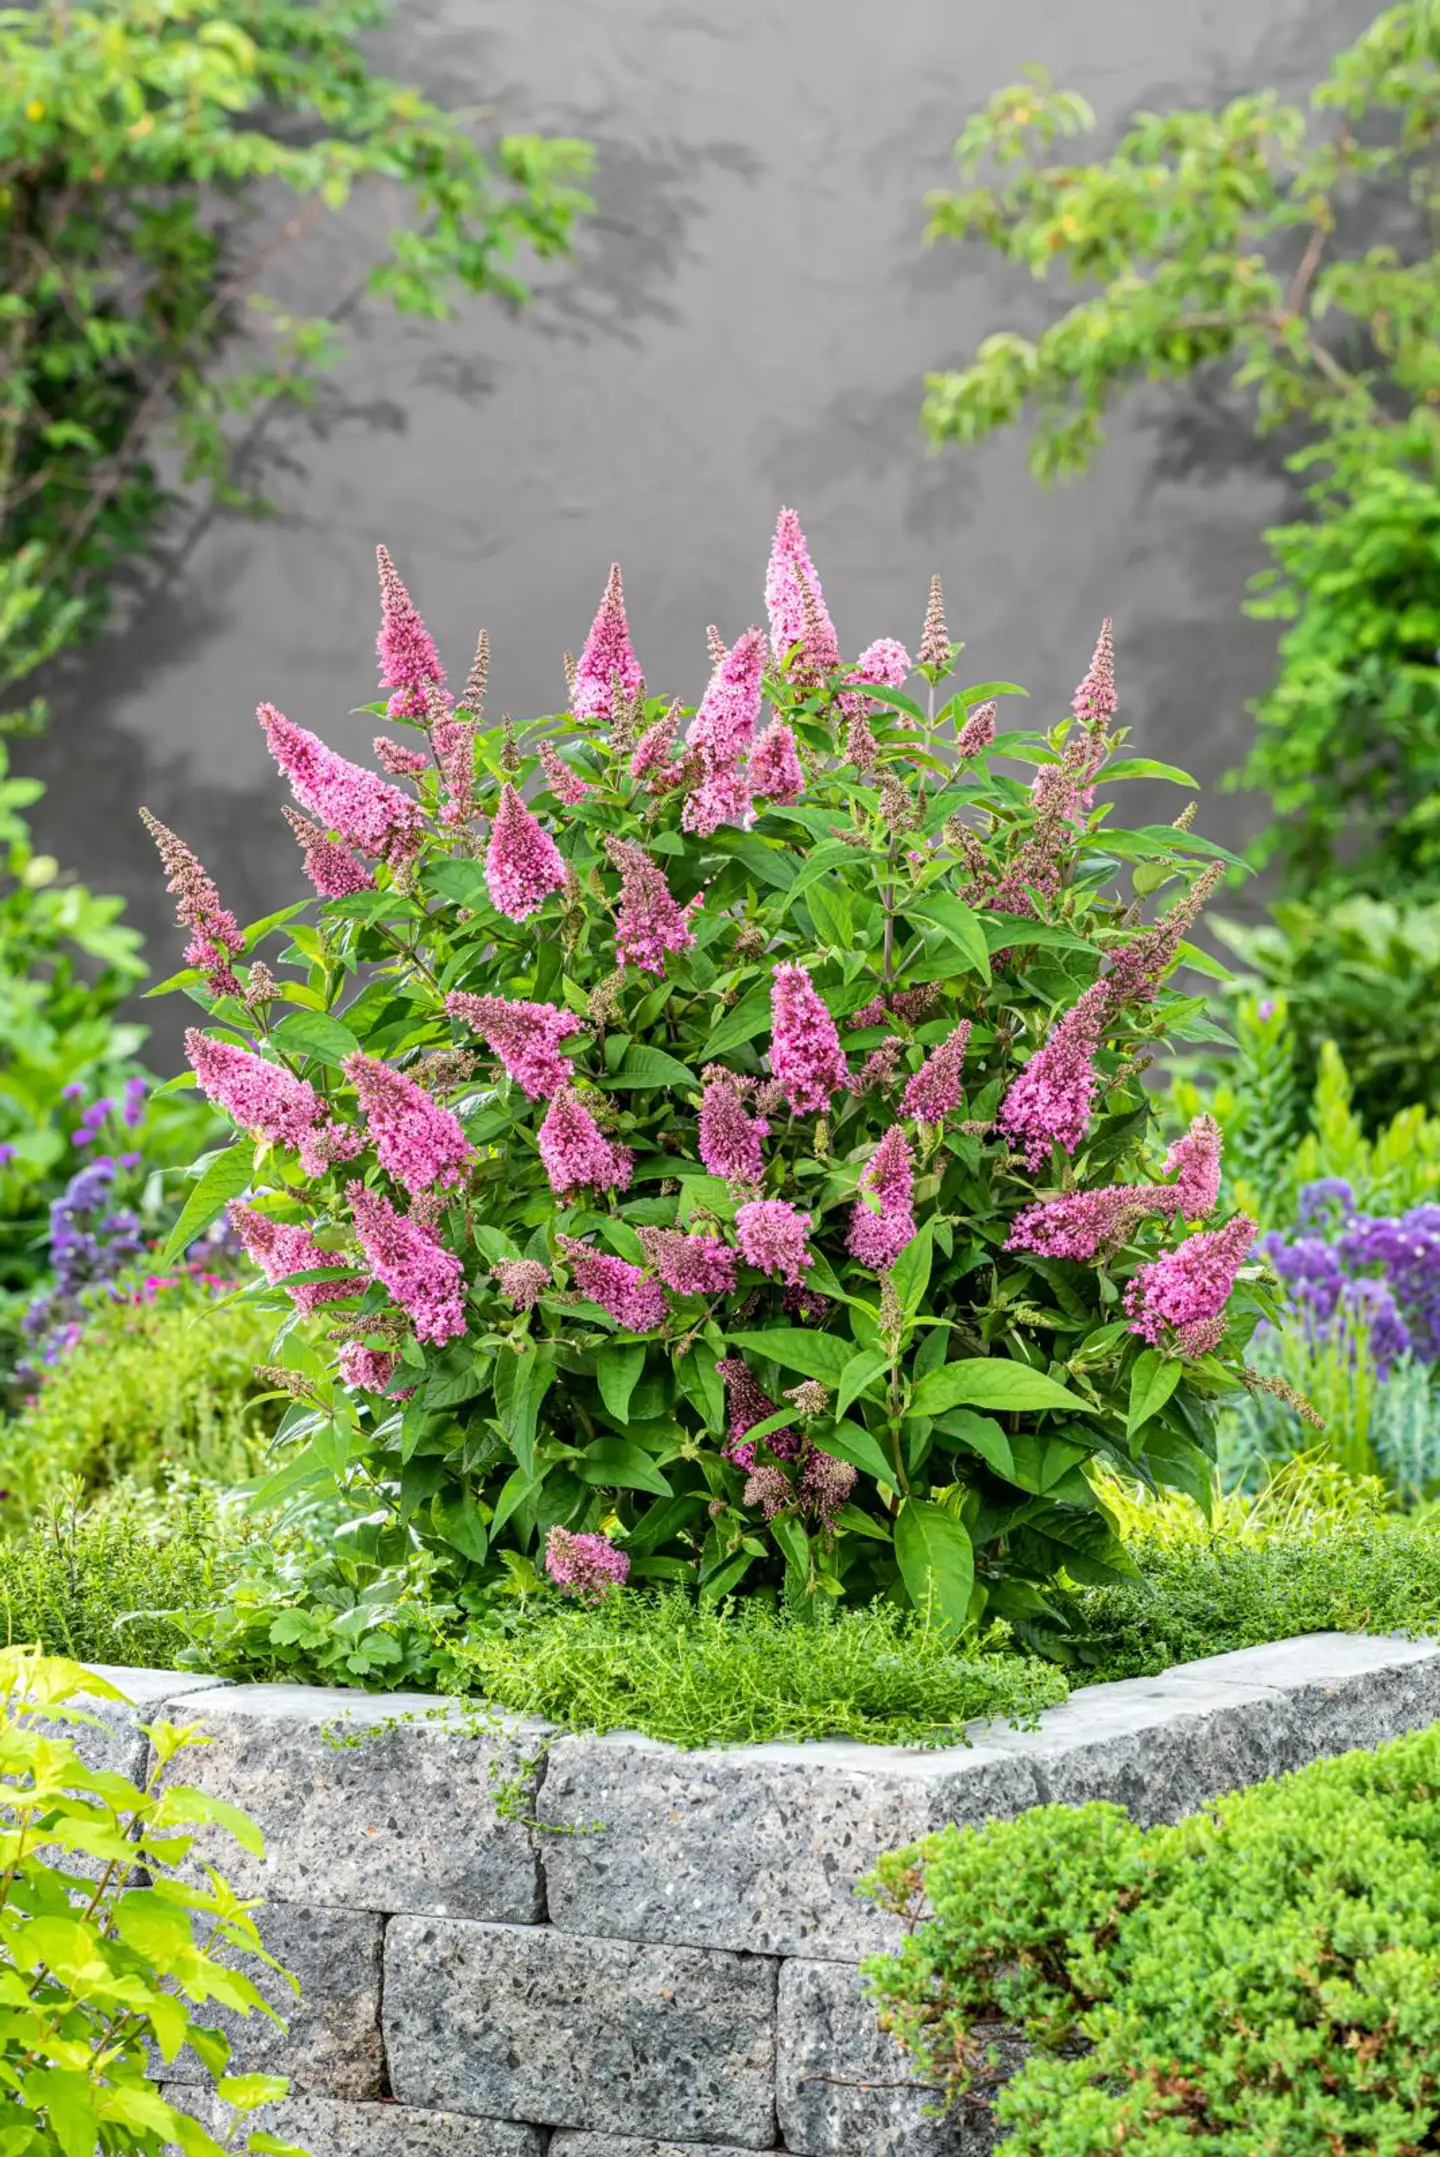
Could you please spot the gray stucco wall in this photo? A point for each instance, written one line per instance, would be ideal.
(748, 323)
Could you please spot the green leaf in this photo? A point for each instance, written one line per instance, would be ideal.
(983, 1435)
(861, 1371)
(521, 1382)
(1152, 1382)
(615, 1461)
(990, 1382)
(984, 691)
(457, 1517)
(225, 1178)
(1146, 767)
(852, 1442)
(791, 1537)
(312, 1033)
(749, 1018)
(936, 1560)
(1008, 930)
(820, 863)
(643, 1066)
(910, 1275)
(617, 1369)
(462, 881)
(1041, 1464)
(960, 924)
(831, 913)
(814, 1355)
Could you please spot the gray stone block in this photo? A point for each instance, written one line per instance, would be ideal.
(328, 2040)
(115, 1742)
(326, 2127)
(1346, 1689)
(372, 1802)
(845, 2088)
(577, 2143)
(535, 2024)
(757, 1850)
(1160, 1747)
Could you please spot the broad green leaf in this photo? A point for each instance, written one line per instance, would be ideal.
(615, 1461)
(313, 1033)
(896, 699)
(990, 1382)
(936, 1560)
(457, 1517)
(1146, 767)
(814, 1355)
(1007, 931)
(831, 913)
(791, 1537)
(750, 1017)
(642, 1066)
(960, 924)
(1042, 1464)
(983, 1435)
(227, 1175)
(521, 1382)
(1152, 1382)
(617, 1368)
(910, 1275)
(852, 1442)
(729, 1576)
(982, 692)
(860, 1372)
(820, 863)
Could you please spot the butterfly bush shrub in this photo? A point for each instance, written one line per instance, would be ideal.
(711, 1143)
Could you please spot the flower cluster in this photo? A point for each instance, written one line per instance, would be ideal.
(1363, 1273)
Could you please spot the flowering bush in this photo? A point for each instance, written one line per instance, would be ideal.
(718, 1152)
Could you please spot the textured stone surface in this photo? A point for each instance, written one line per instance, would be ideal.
(536, 2024)
(571, 2143)
(1345, 1689)
(329, 2041)
(1160, 1748)
(372, 1803)
(115, 1743)
(844, 2088)
(326, 2127)
(756, 1850)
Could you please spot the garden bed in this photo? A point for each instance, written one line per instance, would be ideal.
(500, 1929)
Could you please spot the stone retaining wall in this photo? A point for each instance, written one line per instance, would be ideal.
(506, 1939)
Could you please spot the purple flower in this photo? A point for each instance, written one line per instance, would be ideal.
(585, 1565)
(7, 1154)
(73, 1092)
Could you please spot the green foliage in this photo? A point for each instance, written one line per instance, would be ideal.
(105, 1952)
(1222, 241)
(1376, 1424)
(967, 1387)
(1226, 1590)
(150, 1387)
(109, 1581)
(1261, 1977)
(1365, 974)
(138, 141)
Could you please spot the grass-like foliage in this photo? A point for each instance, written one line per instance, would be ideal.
(149, 1388)
(743, 1674)
(1263, 1977)
(725, 1160)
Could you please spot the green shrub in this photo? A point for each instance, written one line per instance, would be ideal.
(1264, 1977)
(111, 1582)
(149, 1387)
(104, 1962)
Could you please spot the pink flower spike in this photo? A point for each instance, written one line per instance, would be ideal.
(648, 923)
(215, 934)
(1052, 1097)
(690, 1265)
(418, 1141)
(400, 762)
(454, 743)
(729, 1138)
(424, 1278)
(279, 1248)
(724, 726)
(566, 785)
(631, 1299)
(775, 772)
(886, 663)
(978, 731)
(367, 1370)
(938, 1087)
(523, 1281)
(746, 1404)
(1080, 1225)
(607, 653)
(331, 867)
(787, 578)
(261, 1097)
(654, 753)
(723, 798)
(523, 865)
(1184, 1293)
(1194, 1162)
(877, 1239)
(366, 811)
(772, 1236)
(1094, 701)
(525, 1037)
(409, 662)
(576, 1153)
(805, 1052)
(585, 1565)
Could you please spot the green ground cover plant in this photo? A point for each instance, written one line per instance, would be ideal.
(730, 1167)
(1261, 1977)
(108, 1964)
